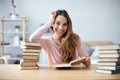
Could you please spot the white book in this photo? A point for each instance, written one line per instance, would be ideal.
(108, 51)
(109, 59)
(107, 71)
(109, 55)
(105, 47)
(110, 63)
(109, 67)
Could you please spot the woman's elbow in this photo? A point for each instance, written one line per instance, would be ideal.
(32, 38)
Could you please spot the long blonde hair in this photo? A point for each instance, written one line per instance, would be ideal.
(70, 39)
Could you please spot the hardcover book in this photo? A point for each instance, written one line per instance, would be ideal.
(29, 68)
(30, 54)
(33, 57)
(110, 63)
(109, 59)
(109, 51)
(31, 50)
(31, 44)
(31, 60)
(109, 55)
(31, 47)
(107, 71)
(108, 47)
(28, 64)
(109, 67)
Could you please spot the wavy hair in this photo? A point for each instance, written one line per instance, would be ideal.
(69, 38)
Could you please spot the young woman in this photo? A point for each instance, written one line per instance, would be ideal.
(64, 45)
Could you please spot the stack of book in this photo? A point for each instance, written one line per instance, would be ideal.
(109, 59)
(30, 56)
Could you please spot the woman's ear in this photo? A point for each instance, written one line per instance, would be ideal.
(51, 28)
(53, 25)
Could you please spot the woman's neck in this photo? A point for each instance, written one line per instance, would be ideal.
(57, 40)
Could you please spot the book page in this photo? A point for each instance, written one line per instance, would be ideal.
(71, 64)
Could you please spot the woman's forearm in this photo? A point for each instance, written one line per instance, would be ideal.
(39, 32)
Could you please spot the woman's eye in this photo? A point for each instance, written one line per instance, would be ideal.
(58, 23)
(65, 24)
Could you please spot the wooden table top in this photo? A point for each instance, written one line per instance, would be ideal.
(13, 72)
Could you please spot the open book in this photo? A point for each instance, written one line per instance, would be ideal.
(71, 63)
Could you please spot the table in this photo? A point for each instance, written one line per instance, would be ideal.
(13, 72)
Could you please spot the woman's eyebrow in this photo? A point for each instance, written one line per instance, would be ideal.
(60, 22)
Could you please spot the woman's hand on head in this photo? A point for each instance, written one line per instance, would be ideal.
(52, 16)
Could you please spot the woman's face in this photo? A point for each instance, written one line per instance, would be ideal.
(60, 26)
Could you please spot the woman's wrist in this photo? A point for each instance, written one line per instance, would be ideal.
(50, 22)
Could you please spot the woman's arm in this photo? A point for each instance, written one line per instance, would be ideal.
(83, 53)
(36, 36)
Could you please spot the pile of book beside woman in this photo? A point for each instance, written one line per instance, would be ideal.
(109, 59)
(30, 56)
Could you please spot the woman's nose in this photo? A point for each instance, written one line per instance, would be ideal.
(60, 27)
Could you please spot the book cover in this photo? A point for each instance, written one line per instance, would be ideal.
(31, 44)
(28, 64)
(71, 63)
(31, 60)
(30, 57)
(107, 71)
(29, 68)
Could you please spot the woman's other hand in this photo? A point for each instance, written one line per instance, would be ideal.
(87, 62)
(52, 16)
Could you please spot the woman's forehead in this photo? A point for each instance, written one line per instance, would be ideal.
(61, 18)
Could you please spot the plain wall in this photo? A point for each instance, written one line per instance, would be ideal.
(93, 20)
